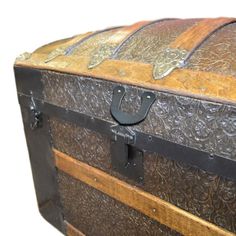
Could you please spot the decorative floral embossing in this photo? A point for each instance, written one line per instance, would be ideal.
(146, 45)
(85, 207)
(167, 60)
(100, 54)
(217, 54)
(206, 195)
(207, 126)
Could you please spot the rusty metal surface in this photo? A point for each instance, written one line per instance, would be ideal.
(208, 196)
(96, 214)
(199, 124)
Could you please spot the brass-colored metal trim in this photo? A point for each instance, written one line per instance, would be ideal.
(179, 51)
(109, 48)
(168, 60)
(198, 84)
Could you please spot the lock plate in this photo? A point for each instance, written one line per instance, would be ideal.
(125, 158)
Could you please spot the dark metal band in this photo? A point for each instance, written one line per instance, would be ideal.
(203, 160)
(37, 132)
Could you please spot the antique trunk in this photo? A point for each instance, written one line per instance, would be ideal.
(132, 130)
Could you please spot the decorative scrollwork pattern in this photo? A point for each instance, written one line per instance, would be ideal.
(203, 125)
(208, 196)
(84, 206)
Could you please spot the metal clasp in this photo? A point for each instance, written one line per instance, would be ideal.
(125, 157)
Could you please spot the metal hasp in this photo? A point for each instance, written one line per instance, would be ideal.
(126, 158)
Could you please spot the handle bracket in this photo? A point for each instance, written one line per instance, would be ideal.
(124, 118)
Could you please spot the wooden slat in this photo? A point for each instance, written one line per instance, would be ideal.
(72, 231)
(206, 85)
(150, 205)
(196, 34)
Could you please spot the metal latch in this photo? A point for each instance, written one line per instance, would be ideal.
(126, 159)
(36, 118)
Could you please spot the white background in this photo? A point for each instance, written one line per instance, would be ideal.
(26, 25)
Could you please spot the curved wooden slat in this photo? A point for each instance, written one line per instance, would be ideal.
(178, 52)
(197, 34)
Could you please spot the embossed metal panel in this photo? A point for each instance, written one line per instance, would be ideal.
(188, 124)
(209, 196)
(217, 54)
(96, 214)
(203, 125)
(150, 42)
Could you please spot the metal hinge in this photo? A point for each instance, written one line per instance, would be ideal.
(126, 159)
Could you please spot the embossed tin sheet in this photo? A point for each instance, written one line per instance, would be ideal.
(195, 123)
(87, 47)
(208, 196)
(217, 54)
(94, 213)
(146, 45)
(150, 45)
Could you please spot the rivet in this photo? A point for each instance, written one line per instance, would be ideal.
(134, 164)
(95, 179)
(211, 156)
(154, 210)
(148, 96)
(119, 91)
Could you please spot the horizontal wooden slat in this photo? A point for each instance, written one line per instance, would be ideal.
(150, 205)
(206, 85)
(72, 231)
